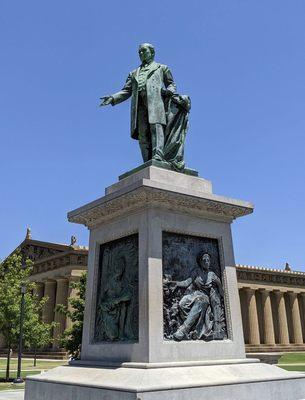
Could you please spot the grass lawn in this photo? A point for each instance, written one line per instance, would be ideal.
(292, 362)
(27, 369)
(292, 358)
(13, 374)
(295, 367)
(28, 364)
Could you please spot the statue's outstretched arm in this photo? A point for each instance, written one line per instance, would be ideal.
(185, 283)
(120, 96)
(123, 94)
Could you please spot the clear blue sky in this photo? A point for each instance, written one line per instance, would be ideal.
(241, 61)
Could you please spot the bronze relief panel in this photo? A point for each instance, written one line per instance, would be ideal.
(193, 296)
(117, 305)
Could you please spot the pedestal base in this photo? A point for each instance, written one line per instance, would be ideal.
(159, 164)
(167, 212)
(238, 380)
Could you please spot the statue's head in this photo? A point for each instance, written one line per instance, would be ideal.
(146, 52)
(204, 260)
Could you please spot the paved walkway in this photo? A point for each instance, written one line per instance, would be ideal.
(291, 364)
(11, 394)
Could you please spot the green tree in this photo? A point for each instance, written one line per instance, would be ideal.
(40, 331)
(71, 339)
(13, 274)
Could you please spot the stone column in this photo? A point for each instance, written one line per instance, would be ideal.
(244, 313)
(297, 337)
(39, 289)
(61, 298)
(282, 318)
(254, 338)
(267, 317)
(71, 294)
(302, 313)
(50, 292)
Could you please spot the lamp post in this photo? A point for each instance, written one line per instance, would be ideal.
(19, 378)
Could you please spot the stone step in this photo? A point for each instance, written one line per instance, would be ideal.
(276, 348)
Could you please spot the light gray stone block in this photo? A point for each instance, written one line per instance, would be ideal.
(244, 381)
(169, 178)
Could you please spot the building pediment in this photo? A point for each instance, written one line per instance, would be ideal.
(48, 256)
(36, 250)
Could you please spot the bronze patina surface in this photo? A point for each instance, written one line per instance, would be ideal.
(159, 115)
(117, 291)
(192, 289)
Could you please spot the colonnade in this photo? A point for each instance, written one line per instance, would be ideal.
(58, 291)
(272, 316)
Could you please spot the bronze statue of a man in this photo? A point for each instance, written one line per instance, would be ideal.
(149, 86)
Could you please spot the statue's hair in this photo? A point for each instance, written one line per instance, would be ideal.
(150, 46)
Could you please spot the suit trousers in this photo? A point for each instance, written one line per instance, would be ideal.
(151, 136)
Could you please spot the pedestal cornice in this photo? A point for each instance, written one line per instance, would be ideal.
(146, 192)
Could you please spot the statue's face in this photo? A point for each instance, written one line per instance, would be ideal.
(205, 262)
(145, 54)
(119, 267)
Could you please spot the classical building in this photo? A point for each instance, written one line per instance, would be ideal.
(55, 266)
(273, 308)
(272, 300)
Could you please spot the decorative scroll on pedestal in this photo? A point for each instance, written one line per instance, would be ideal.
(117, 291)
(193, 304)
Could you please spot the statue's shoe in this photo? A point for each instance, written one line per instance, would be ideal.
(158, 158)
(179, 335)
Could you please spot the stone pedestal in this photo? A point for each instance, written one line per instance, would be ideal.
(149, 226)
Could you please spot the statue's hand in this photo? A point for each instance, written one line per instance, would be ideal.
(106, 100)
(116, 301)
(106, 307)
(173, 286)
(166, 93)
(103, 307)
